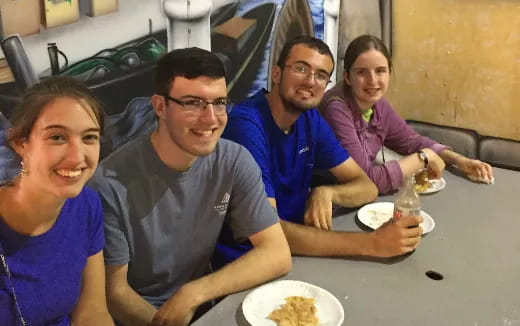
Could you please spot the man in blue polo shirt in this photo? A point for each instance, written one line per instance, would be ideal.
(289, 141)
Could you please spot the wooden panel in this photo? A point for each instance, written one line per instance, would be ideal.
(457, 63)
(19, 17)
(60, 12)
(99, 7)
(6, 76)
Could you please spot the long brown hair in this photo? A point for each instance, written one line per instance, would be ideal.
(362, 44)
(44, 93)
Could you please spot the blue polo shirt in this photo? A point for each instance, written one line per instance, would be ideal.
(287, 160)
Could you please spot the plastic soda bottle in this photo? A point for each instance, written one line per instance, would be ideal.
(407, 201)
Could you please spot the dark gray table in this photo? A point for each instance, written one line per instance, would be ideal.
(475, 246)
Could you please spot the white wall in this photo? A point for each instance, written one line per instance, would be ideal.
(92, 34)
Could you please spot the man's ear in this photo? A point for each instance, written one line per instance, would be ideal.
(159, 105)
(346, 78)
(276, 74)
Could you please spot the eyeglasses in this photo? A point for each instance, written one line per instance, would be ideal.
(321, 78)
(196, 106)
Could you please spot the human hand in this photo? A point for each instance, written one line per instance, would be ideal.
(475, 170)
(436, 164)
(398, 237)
(177, 311)
(319, 209)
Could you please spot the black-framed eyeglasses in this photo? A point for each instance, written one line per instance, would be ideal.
(221, 106)
(321, 78)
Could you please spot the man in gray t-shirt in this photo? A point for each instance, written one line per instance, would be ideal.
(167, 194)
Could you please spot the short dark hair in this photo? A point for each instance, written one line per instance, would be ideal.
(44, 93)
(362, 44)
(308, 41)
(189, 63)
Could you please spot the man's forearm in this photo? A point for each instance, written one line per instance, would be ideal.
(129, 308)
(99, 318)
(354, 193)
(259, 265)
(309, 241)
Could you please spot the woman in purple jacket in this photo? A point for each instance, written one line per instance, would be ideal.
(364, 122)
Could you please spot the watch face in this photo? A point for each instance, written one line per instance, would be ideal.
(423, 157)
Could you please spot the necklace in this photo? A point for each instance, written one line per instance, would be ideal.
(10, 286)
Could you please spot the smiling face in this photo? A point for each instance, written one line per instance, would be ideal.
(190, 134)
(368, 78)
(300, 92)
(62, 150)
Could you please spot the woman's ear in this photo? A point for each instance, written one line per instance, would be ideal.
(17, 144)
(346, 78)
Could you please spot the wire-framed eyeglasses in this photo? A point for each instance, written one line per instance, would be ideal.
(321, 78)
(197, 105)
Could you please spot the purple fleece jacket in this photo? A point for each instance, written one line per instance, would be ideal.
(364, 140)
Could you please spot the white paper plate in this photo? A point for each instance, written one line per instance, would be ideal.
(259, 303)
(375, 214)
(435, 185)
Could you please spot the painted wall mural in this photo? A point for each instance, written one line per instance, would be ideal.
(113, 46)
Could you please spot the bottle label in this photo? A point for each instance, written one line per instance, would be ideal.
(402, 212)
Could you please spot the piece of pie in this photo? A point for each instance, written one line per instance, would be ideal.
(297, 311)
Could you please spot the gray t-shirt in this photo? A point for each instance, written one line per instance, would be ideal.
(165, 224)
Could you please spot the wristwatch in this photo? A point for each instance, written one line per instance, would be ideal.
(423, 157)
